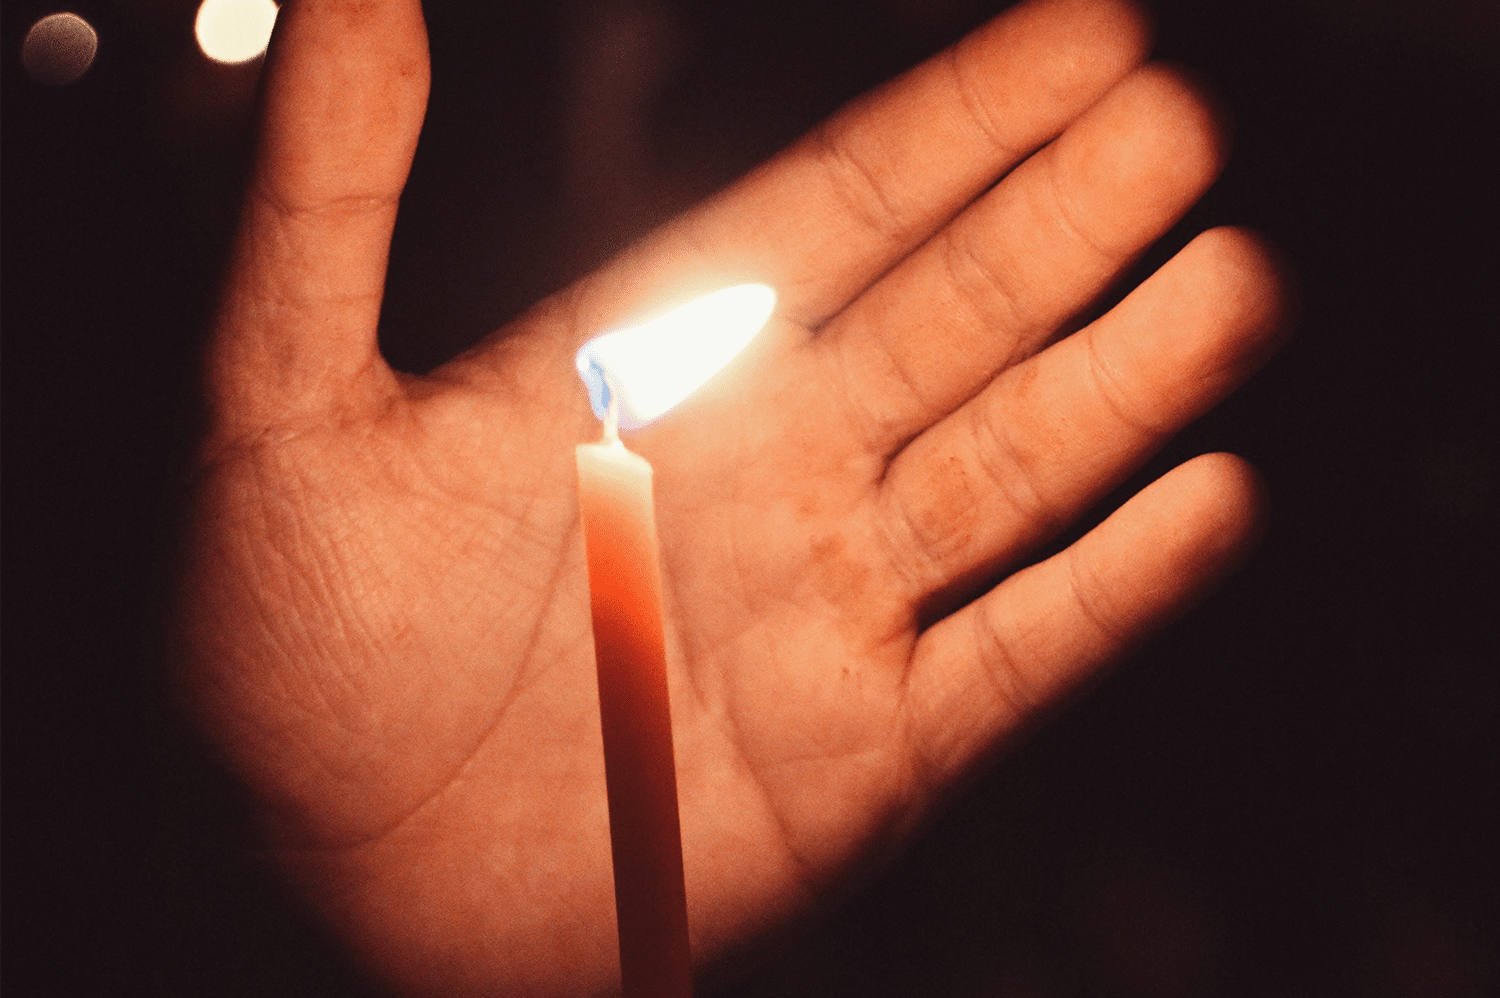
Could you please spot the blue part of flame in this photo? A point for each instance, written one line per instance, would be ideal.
(593, 378)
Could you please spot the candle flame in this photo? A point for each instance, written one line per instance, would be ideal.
(643, 371)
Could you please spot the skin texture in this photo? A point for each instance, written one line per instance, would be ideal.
(382, 619)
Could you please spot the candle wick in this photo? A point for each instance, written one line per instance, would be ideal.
(612, 418)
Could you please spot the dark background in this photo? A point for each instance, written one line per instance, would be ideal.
(1293, 793)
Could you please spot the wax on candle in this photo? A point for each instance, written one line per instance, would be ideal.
(619, 527)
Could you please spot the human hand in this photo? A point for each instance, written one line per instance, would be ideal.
(383, 615)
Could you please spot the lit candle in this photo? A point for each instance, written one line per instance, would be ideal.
(633, 376)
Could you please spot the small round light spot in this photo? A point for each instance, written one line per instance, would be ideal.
(59, 49)
(234, 30)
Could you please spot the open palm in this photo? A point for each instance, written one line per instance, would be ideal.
(383, 613)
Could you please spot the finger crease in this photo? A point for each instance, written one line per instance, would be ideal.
(349, 204)
(1003, 467)
(993, 295)
(911, 555)
(976, 107)
(1067, 217)
(1110, 388)
(890, 435)
(851, 178)
(1088, 605)
(1002, 669)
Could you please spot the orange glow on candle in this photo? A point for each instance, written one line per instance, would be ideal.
(619, 527)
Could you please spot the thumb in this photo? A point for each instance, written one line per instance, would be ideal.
(343, 95)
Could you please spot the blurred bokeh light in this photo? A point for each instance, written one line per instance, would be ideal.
(59, 49)
(234, 30)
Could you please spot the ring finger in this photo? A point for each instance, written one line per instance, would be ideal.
(1051, 435)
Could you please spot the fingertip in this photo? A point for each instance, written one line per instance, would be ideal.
(1193, 109)
(1270, 270)
(1253, 281)
(1230, 504)
(1141, 157)
(1211, 97)
(344, 92)
(1127, 27)
(1236, 483)
(1061, 50)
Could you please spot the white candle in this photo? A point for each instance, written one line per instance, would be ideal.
(635, 375)
(619, 527)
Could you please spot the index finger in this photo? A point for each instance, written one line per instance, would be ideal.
(828, 216)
